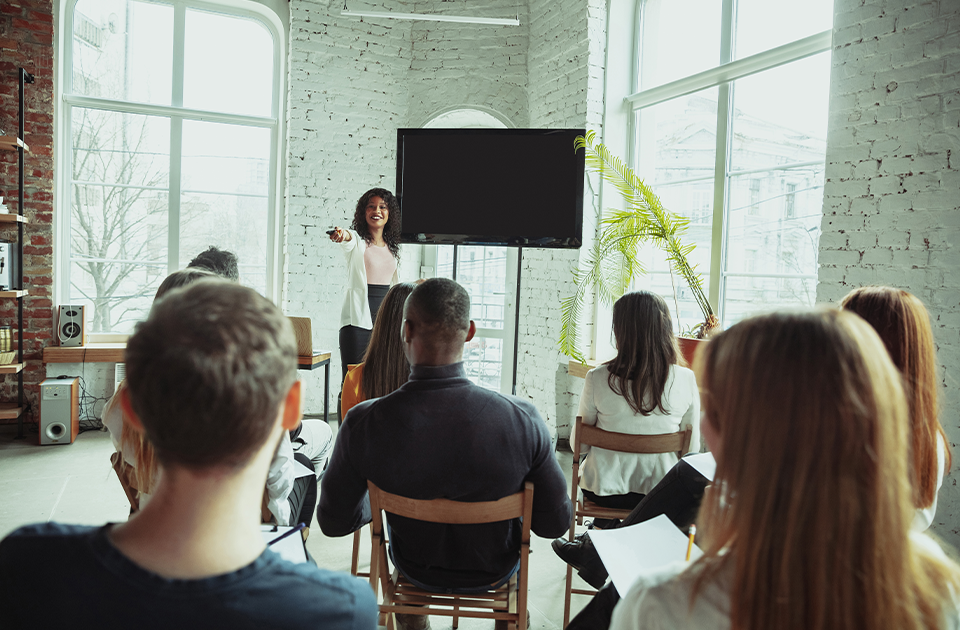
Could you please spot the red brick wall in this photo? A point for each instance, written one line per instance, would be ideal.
(26, 41)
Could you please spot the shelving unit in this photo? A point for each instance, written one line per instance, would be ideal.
(9, 411)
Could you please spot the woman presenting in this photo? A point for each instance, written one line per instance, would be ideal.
(372, 248)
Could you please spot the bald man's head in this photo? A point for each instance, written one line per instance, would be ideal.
(437, 322)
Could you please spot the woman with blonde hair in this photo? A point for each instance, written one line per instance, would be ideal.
(807, 524)
(903, 323)
(384, 367)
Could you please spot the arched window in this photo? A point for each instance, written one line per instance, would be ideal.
(169, 130)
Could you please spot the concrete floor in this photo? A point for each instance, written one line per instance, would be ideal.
(75, 484)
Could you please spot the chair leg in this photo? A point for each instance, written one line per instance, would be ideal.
(456, 619)
(355, 561)
(566, 596)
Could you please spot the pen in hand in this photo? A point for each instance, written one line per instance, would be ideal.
(693, 532)
(302, 525)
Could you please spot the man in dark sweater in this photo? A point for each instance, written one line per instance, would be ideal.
(211, 380)
(441, 436)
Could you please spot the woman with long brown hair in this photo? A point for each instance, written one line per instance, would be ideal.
(807, 524)
(641, 391)
(903, 323)
(384, 367)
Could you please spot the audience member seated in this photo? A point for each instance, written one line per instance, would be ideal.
(441, 436)
(211, 381)
(218, 261)
(385, 366)
(641, 391)
(289, 499)
(903, 324)
(808, 521)
(312, 439)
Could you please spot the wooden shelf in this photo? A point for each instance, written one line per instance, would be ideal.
(9, 411)
(11, 368)
(13, 218)
(12, 294)
(94, 353)
(12, 143)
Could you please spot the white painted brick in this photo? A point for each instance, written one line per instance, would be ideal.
(909, 230)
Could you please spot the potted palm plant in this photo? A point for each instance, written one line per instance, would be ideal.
(613, 261)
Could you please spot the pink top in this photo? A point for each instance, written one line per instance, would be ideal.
(379, 263)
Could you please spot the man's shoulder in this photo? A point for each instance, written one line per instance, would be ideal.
(322, 586)
(46, 534)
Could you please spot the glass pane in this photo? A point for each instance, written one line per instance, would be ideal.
(676, 153)
(750, 296)
(228, 64)
(678, 39)
(483, 360)
(482, 272)
(780, 116)
(123, 50)
(766, 24)
(225, 181)
(775, 189)
(118, 214)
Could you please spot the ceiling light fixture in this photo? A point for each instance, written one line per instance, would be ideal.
(432, 17)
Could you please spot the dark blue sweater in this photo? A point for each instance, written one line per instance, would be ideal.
(441, 436)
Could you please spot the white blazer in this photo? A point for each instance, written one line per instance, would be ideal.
(607, 472)
(356, 305)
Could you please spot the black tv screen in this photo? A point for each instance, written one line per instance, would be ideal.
(514, 187)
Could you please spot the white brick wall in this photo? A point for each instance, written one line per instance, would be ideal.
(567, 40)
(892, 194)
(353, 83)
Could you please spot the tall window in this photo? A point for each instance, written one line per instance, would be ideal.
(171, 113)
(730, 103)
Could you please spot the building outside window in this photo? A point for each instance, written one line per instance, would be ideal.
(170, 111)
(730, 101)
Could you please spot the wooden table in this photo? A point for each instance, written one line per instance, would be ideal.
(113, 353)
(319, 359)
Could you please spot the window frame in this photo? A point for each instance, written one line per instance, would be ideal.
(177, 114)
(722, 77)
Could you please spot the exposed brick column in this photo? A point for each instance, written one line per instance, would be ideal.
(26, 41)
(891, 202)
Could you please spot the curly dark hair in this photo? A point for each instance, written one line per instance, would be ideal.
(391, 231)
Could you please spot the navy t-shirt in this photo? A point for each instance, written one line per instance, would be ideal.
(68, 576)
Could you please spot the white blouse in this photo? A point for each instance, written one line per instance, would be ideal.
(356, 305)
(661, 598)
(607, 472)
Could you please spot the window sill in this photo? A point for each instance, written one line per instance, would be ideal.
(91, 353)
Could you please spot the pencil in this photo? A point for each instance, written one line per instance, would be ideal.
(693, 532)
(302, 525)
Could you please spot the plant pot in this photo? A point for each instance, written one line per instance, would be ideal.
(688, 348)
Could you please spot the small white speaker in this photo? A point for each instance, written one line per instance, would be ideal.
(71, 327)
(59, 410)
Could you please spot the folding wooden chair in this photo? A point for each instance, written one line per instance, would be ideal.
(509, 602)
(125, 474)
(588, 435)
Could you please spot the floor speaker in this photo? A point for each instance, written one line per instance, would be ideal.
(71, 327)
(59, 410)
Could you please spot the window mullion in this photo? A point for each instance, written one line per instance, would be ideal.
(176, 140)
(724, 101)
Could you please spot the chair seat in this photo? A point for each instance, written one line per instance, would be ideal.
(586, 507)
(493, 604)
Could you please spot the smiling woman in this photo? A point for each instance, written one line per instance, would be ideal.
(372, 248)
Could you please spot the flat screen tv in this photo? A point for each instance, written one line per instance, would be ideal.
(513, 187)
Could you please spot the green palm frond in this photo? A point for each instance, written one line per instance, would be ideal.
(613, 261)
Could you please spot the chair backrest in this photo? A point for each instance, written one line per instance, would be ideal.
(450, 512)
(588, 435)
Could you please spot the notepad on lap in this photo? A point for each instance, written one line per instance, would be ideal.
(290, 548)
(629, 552)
